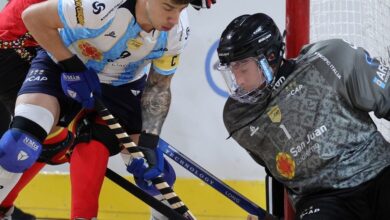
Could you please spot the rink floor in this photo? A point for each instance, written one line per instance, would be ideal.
(48, 197)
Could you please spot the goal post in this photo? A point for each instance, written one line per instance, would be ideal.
(297, 26)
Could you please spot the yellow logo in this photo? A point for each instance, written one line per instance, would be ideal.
(79, 11)
(285, 165)
(134, 44)
(275, 114)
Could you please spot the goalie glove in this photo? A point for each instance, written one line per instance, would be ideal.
(199, 4)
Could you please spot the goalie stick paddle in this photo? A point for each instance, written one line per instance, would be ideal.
(161, 185)
(213, 181)
(145, 197)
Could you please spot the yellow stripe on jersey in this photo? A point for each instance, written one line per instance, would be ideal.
(166, 63)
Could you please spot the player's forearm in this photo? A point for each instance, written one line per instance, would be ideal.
(155, 103)
(42, 21)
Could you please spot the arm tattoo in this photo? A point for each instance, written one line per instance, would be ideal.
(155, 102)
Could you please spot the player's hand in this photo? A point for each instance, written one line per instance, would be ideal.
(199, 4)
(153, 164)
(79, 83)
(168, 175)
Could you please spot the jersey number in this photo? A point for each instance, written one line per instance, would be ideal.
(285, 131)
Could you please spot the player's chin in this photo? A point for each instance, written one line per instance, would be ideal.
(165, 28)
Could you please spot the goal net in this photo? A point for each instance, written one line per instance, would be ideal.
(364, 23)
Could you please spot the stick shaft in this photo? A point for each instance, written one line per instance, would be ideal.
(212, 180)
(143, 196)
(162, 186)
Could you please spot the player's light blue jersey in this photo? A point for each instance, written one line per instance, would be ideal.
(105, 35)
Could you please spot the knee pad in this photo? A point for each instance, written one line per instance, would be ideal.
(18, 150)
(56, 152)
(169, 176)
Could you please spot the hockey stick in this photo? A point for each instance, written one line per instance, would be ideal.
(166, 191)
(213, 181)
(140, 194)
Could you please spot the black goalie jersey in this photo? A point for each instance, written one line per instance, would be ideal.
(315, 132)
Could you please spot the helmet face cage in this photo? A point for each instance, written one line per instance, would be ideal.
(255, 36)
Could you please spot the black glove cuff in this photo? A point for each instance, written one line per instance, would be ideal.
(148, 140)
(73, 64)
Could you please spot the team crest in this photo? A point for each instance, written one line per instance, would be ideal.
(275, 114)
(89, 51)
(285, 165)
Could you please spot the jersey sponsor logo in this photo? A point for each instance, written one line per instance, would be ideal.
(329, 64)
(379, 82)
(279, 82)
(135, 44)
(307, 147)
(89, 51)
(294, 89)
(22, 155)
(36, 71)
(79, 12)
(160, 49)
(253, 130)
(111, 34)
(36, 78)
(111, 10)
(382, 75)
(123, 55)
(98, 7)
(36, 75)
(275, 114)
(309, 211)
(185, 33)
(285, 165)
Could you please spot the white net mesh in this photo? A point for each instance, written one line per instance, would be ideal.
(365, 23)
(2, 3)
